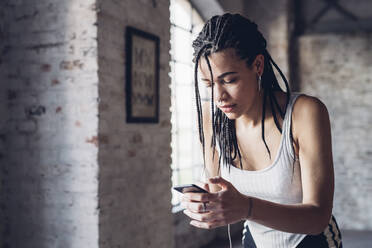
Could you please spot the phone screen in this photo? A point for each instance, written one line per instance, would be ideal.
(190, 188)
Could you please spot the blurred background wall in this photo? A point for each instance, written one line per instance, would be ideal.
(337, 69)
(49, 124)
(74, 174)
(134, 158)
(334, 63)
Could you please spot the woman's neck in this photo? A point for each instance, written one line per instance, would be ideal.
(253, 117)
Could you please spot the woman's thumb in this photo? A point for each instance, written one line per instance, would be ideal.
(220, 181)
(203, 185)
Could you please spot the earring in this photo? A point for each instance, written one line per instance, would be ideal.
(259, 83)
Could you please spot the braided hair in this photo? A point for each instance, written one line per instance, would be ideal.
(235, 31)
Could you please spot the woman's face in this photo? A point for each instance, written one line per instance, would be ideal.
(235, 84)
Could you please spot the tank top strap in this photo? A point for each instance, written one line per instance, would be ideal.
(288, 122)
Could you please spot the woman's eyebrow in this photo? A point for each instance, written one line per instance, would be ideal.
(222, 75)
(226, 73)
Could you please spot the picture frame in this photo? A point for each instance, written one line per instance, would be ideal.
(142, 76)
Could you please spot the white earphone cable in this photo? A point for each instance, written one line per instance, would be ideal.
(228, 230)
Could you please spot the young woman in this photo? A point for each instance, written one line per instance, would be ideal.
(267, 152)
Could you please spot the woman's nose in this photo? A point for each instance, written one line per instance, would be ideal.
(219, 93)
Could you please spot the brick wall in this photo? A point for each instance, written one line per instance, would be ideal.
(135, 173)
(3, 112)
(49, 70)
(337, 69)
(272, 19)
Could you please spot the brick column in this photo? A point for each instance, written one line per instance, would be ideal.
(49, 68)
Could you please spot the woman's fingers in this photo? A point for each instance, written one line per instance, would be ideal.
(210, 210)
(208, 225)
(203, 185)
(202, 217)
(200, 197)
(195, 207)
(200, 207)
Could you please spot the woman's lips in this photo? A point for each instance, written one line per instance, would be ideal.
(227, 108)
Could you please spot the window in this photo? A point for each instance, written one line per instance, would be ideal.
(187, 163)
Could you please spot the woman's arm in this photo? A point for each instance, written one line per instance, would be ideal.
(311, 131)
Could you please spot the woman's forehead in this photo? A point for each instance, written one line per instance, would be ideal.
(222, 61)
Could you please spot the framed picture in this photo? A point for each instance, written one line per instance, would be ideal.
(142, 76)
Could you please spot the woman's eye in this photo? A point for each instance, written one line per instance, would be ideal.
(223, 82)
(228, 82)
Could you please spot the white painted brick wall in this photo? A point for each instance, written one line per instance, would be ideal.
(135, 173)
(50, 184)
(337, 69)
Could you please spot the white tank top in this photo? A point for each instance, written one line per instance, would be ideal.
(280, 182)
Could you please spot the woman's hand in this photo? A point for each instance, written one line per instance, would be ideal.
(211, 210)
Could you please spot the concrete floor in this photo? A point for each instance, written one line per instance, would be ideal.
(350, 239)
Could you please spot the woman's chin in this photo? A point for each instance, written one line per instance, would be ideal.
(231, 116)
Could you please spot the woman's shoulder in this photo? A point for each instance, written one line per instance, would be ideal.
(303, 102)
(308, 111)
(306, 105)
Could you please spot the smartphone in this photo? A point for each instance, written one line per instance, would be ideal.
(189, 188)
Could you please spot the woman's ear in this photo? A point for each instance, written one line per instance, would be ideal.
(259, 64)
